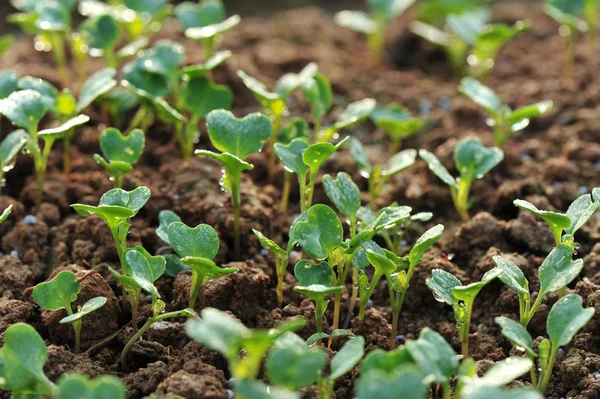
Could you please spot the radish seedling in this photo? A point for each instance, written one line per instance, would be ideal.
(397, 122)
(121, 152)
(473, 160)
(501, 117)
(379, 175)
(374, 25)
(236, 139)
(556, 272)
(435, 11)
(59, 293)
(447, 288)
(281, 257)
(565, 319)
(9, 149)
(568, 14)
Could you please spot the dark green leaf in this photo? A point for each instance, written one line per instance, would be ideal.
(101, 33)
(434, 355)
(201, 241)
(441, 283)
(347, 357)
(566, 318)
(320, 233)
(558, 269)
(344, 194)
(359, 154)
(291, 155)
(201, 96)
(293, 365)
(174, 265)
(474, 160)
(9, 81)
(308, 273)
(98, 84)
(118, 147)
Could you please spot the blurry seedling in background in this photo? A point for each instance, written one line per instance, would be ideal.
(501, 117)
(397, 122)
(6, 42)
(5, 213)
(473, 161)
(121, 152)
(435, 12)
(281, 258)
(9, 149)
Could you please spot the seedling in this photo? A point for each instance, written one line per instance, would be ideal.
(25, 109)
(473, 160)
(233, 337)
(5, 213)
(447, 288)
(74, 385)
(121, 152)
(116, 208)
(318, 93)
(379, 175)
(9, 149)
(304, 159)
(434, 12)
(397, 122)
(352, 115)
(375, 24)
(565, 319)
(349, 356)
(205, 22)
(236, 139)
(345, 195)
(556, 272)
(502, 118)
(59, 293)
(468, 38)
(281, 257)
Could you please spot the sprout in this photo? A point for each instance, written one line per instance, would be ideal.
(447, 288)
(397, 122)
(121, 152)
(468, 37)
(379, 175)
(374, 25)
(318, 93)
(59, 293)
(236, 139)
(473, 161)
(556, 272)
(502, 118)
(5, 213)
(565, 319)
(281, 257)
(75, 385)
(354, 114)
(9, 149)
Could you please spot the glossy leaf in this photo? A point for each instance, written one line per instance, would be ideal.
(364, 256)
(344, 194)
(201, 241)
(209, 31)
(57, 293)
(174, 266)
(151, 84)
(5, 213)
(320, 233)
(424, 242)
(529, 111)
(556, 221)
(291, 155)
(308, 273)
(260, 91)
(566, 318)
(399, 162)
(437, 168)
(206, 267)
(358, 21)
(79, 386)
(8, 82)
(163, 109)
(516, 334)
(474, 160)
(468, 292)
(141, 272)
(89, 307)
(233, 165)
(269, 244)
(434, 355)
(493, 392)
(11, 146)
(96, 85)
(318, 93)
(355, 113)
(347, 357)
(512, 276)
(442, 283)
(101, 33)
(165, 218)
(406, 383)
(117, 147)
(60, 131)
(359, 154)
(558, 269)
(46, 89)
(24, 108)
(316, 154)
(256, 389)
(480, 94)
(396, 121)
(580, 211)
(290, 82)
(193, 71)
(193, 15)
(201, 96)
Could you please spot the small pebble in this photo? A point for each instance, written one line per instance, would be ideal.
(231, 381)
(561, 351)
(425, 107)
(369, 304)
(1, 254)
(598, 164)
(557, 185)
(445, 103)
(14, 253)
(597, 376)
(30, 220)
(263, 252)
(583, 190)
(176, 197)
(230, 394)
(524, 156)
(400, 337)
(383, 282)
(403, 243)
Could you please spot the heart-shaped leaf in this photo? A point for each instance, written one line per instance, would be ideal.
(473, 160)
(9, 81)
(437, 168)
(434, 355)
(165, 218)
(316, 154)
(480, 94)
(201, 241)
(557, 221)
(318, 93)
(396, 121)
(53, 17)
(164, 58)
(512, 276)
(558, 269)
(118, 147)
(210, 31)
(390, 216)
(101, 33)
(60, 131)
(355, 113)
(424, 242)
(386, 362)
(156, 263)
(516, 334)
(207, 268)
(441, 283)
(89, 307)
(308, 273)
(24, 108)
(80, 386)
(291, 155)
(11, 145)
(96, 85)
(566, 318)
(579, 212)
(358, 21)
(347, 357)
(317, 292)
(57, 293)
(320, 233)
(116, 205)
(344, 194)
(141, 272)
(239, 137)
(406, 383)
(289, 82)
(201, 96)
(205, 13)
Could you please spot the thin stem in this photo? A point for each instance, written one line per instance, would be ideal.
(446, 389)
(311, 190)
(197, 279)
(395, 316)
(532, 373)
(465, 329)
(272, 140)
(77, 327)
(134, 300)
(319, 311)
(235, 201)
(461, 199)
(137, 118)
(303, 193)
(285, 194)
(336, 310)
(280, 269)
(58, 50)
(133, 340)
(67, 152)
(547, 371)
(529, 315)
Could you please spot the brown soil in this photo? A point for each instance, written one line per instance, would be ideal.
(551, 163)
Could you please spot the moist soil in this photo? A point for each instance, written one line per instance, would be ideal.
(556, 159)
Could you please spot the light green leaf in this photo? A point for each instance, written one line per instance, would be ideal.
(320, 233)
(290, 82)
(193, 15)
(11, 145)
(101, 33)
(355, 113)
(78, 386)
(141, 272)
(212, 30)
(260, 91)
(480, 94)
(57, 293)
(566, 318)
(516, 334)
(201, 241)
(89, 307)
(358, 21)
(529, 111)
(396, 121)
(256, 389)
(399, 162)
(218, 331)
(347, 357)
(359, 154)
(291, 155)
(492, 392)
(579, 212)
(512, 276)
(556, 221)
(174, 265)
(5, 213)
(60, 131)
(165, 218)
(437, 168)
(201, 96)
(269, 244)
(24, 108)
(318, 93)
(441, 283)
(206, 267)
(118, 147)
(558, 269)
(407, 382)
(424, 242)
(474, 160)
(344, 194)
(434, 355)
(214, 61)
(316, 154)
(386, 362)
(98, 84)
(468, 293)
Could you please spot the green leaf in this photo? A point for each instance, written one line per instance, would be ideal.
(260, 91)
(192, 15)
(6, 42)
(290, 82)
(209, 31)
(78, 386)
(156, 263)
(24, 108)
(164, 58)
(558, 269)
(318, 93)
(360, 156)
(141, 271)
(53, 17)
(316, 154)
(317, 292)
(492, 392)
(233, 165)
(431, 33)
(46, 89)
(239, 137)
(516, 334)
(164, 110)
(572, 7)
(355, 113)
(165, 218)
(437, 168)
(424, 242)
(396, 121)
(57, 293)
(566, 318)
(469, 25)
(89, 307)
(480, 94)
(506, 371)
(101, 33)
(358, 21)
(390, 216)
(473, 160)
(308, 273)
(60, 131)
(580, 211)
(174, 265)
(399, 162)
(389, 9)
(434, 356)
(386, 362)
(96, 85)
(269, 244)
(201, 241)
(468, 293)
(22, 360)
(344, 194)
(291, 155)
(441, 283)
(255, 389)
(347, 357)
(512, 276)
(118, 147)
(381, 263)
(207, 268)
(144, 84)
(320, 233)
(218, 331)
(201, 96)
(11, 145)
(405, 383)
(146, 6)
(529, 111)
(491, 40)
(5, 213)
(296, 128)
(556, 221)
(9, 82)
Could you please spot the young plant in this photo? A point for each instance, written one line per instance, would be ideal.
(304, 159)
(236, 139)
(74, 385)
(379, 175)
(205, 22)
(502, 118)
(435, 12)
(565, 319)
(556, 272)
(375, 24)
(468, 38)
(121, 152)
(5, 213)
(473, 160)
(25, 109)
(59, 293)
(318, 93)
(447, 288)
(281, 257)
(397, 122)
(9, 149)
(354, 114)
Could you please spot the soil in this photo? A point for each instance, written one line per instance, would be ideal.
(549, 164)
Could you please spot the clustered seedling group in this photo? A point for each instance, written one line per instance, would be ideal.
(349, 247)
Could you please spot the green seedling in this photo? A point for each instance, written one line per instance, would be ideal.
(121, 152)
(80, 386)
(305, 160)
(25, 109)
(349, 356)
(501, 117)
(174, 265)
(375, 24)
(222, 332)
(469, 39)
(6, 42)
(236, 139)
(197, 247)
(473, 161)
(116, 208)
(379, 175)
(205, 22)
(354, 114)
(556, 272)
(397, 122)
(256, 389)
(435, 12)
(5, 213)
(590, 14)
(345, 195)
(447, 288)
(568, 15)
(318, 93)
(565, 319)
(318, 337)
(9, 149)
(281, 257)
(59, 293)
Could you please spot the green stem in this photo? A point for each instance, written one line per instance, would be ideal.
(134, 300)
(311, 190)
(58, 50)
(465, 329)
(336, 310)
(235, 201)
(547, 371)
(77, 327)
(285, 194)
(303, 192)
(272, 140)
(133, 340)
(461, 198)
(529, 314)
(280, 268)
(319, 311)
(446, 389)
(363, 301)
(197, 279)
(67, 152)
(137, 118)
